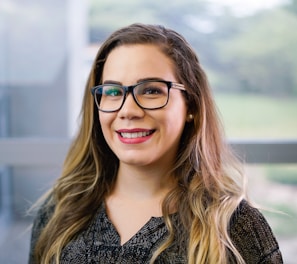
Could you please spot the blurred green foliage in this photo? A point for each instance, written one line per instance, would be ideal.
(258, 116)
(284, 174)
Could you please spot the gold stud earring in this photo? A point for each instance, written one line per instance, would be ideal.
(190, 117)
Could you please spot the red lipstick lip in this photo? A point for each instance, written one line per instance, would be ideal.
(134, 130)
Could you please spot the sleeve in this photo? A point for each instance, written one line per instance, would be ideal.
(41, 219)
(253, 237)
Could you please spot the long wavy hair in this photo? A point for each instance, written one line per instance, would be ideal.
(210, 183)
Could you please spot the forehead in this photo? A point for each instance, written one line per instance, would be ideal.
(128, 63)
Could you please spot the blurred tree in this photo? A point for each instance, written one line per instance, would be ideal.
(262, 57)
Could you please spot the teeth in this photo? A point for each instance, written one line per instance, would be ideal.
(135, 134)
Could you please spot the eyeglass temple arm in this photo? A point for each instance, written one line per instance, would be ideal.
(178, 86)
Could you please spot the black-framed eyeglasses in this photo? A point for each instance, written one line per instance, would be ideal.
(149, 94)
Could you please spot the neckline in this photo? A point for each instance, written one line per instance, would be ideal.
(153, 225)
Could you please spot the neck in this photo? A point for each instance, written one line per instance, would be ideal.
(142, 183)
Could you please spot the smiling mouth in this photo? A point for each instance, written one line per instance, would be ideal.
(136, 134)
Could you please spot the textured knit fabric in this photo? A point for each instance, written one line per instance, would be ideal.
(100, 242)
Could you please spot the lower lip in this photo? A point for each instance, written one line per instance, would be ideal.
(137, 140)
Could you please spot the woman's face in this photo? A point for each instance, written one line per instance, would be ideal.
(141, 137)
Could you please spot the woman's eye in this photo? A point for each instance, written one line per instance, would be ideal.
(113, 92)
(152, 90)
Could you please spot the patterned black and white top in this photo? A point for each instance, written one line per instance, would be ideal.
(100, 242)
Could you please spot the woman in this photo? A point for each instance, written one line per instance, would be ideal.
(149, 178)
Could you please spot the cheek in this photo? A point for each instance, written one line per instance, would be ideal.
(174, 123)
(177, 115)
(105, 122)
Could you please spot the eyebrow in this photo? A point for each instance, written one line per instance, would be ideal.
(138, 81)
(111, 82)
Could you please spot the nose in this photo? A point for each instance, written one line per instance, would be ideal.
(130, 108)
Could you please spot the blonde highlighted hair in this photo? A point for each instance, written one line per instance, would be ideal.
(210, 183)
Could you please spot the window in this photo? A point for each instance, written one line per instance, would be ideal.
(246, 48)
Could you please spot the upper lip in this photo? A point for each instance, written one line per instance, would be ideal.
(134, 130)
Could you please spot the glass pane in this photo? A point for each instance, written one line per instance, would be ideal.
(38, 66)
(33, 69)
(274, 188)
(247, 48)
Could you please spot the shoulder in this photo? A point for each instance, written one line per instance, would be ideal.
(44, 213)
(252, 235)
